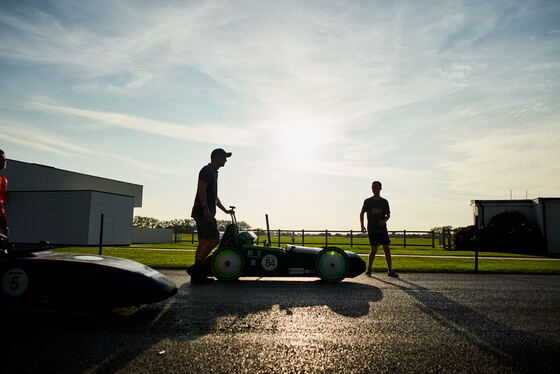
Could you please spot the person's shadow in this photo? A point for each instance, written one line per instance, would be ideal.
(521, 351)
(57, 342)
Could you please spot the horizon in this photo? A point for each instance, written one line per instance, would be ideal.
(444, 103)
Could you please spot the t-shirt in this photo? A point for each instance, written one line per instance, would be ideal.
(376, 209)
(209, 174)
(3, 186)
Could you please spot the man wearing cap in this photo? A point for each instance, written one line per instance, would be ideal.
(204, 212)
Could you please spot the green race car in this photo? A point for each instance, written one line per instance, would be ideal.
(237, 256)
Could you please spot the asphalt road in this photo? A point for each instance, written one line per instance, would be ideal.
(417, 323)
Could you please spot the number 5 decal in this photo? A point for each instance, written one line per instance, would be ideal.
(14, 282)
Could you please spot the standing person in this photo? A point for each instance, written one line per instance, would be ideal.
(378, 213)
(204, 212)
(3, 185)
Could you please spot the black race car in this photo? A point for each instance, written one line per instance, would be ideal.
(36, 278)
(237, 256)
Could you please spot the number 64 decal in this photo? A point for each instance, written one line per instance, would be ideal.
(269, 262)
(14, 282)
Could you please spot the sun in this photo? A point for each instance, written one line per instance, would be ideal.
(300, 140)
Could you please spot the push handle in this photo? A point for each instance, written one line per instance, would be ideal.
(233, 219)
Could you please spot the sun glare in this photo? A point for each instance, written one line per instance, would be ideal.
(300, 139)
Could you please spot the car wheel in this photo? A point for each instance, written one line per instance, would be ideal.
(332, 264)
(227, 264)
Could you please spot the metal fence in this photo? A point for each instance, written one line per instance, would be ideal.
(342, 238)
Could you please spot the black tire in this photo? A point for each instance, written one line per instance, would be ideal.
(227, 264)
(332, 264)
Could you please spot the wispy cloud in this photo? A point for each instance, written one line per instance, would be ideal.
(451, 92)
(36, 138)
(206, 133)
(28, 143)
(493, 163)
(31, 136)
(153, 168)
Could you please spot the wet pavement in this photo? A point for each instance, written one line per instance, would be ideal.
(416, 323)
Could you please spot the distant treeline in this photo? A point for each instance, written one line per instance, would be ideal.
(181, 225)
(187, 225)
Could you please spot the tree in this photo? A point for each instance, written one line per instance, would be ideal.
(148, 222)
(440, 229)
(180, 225)
(464, 237)
(243, 226)
(185, 225)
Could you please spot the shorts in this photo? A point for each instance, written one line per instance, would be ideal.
(207, 229)
(378, 238)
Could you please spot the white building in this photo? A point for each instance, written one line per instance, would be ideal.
(151, 235)
(64, 207)
(543, 212)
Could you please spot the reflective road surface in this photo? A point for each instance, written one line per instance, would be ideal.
(416, 323)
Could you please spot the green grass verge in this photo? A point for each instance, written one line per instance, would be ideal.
(154, 259)
(319, 240)
(410, 250)
(182, 259)
(466, 265)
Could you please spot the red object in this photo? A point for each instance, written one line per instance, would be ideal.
(3, 218)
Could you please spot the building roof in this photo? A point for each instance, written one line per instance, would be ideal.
(24, 176)
(538, 200)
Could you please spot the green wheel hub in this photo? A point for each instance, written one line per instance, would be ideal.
(227, 264)
(332, 264)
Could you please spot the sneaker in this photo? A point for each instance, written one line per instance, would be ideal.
(392, 274)
(201, 280)
(368, 273)
(194, 270)
(191, 271)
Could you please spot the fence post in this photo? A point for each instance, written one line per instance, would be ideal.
(192, 237)
(476, 244)
(326, 238)
(404, 238)
(279, 237)
(101, 236)
(433, 239)
(303, 238)
(351, 238)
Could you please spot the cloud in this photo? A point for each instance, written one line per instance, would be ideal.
(495, 162)
(36, 138)
(149, 167)
(206, 133)
(342, 64)
(378, 78)
(33, 137)
(29, 143)
(393, 175)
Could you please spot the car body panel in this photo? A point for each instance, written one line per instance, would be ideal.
(75, 280)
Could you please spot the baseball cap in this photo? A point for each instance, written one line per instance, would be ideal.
(220, 152)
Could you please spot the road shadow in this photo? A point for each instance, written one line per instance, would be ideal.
(60, 342)
(521, 351)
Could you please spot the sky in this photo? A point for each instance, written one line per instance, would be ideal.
(444, 102)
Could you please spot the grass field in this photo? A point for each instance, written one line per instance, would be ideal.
(182, 256)
(415, 246)
(321, 241)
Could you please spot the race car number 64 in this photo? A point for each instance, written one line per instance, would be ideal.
(14, 282)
